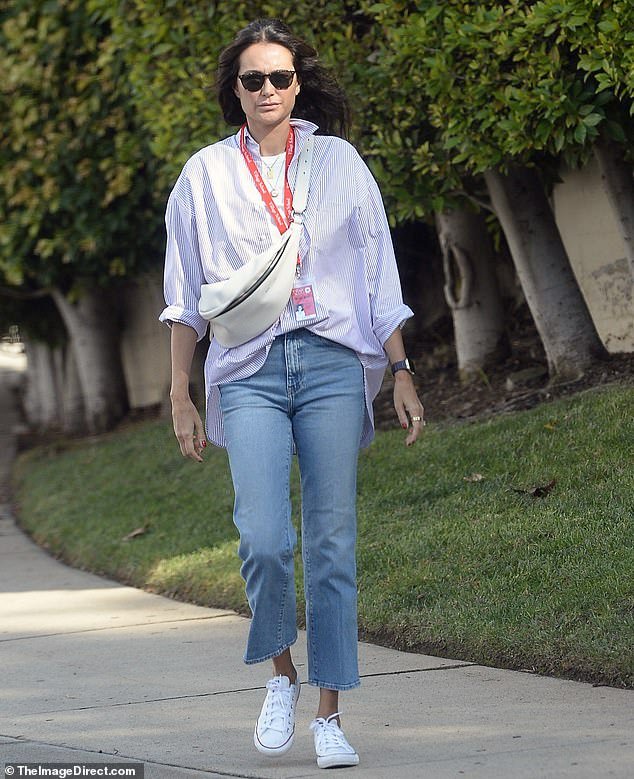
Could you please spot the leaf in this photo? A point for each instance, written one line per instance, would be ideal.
(608, 25)
(616, 131)
(377, 8)
(560, 139)
(139, 531)
(538, 491)
(592, 119)
(581, 132)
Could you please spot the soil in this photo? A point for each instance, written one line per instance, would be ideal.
(519, 382)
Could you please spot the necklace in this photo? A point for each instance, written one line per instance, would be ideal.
(273, 176)
(270, 169)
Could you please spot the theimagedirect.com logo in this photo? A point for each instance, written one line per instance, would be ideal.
(66, 770)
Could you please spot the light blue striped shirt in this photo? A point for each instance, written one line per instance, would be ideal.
(215, 216)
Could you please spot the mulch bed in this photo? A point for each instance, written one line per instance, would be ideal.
(520, 382)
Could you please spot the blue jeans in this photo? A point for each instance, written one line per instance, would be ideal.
(309, 393)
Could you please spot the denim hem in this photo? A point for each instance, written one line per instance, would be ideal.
(338, 687)
(272, 654)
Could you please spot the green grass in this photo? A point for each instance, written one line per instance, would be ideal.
(467, 569)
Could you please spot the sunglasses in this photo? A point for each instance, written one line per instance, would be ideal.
(253, 81)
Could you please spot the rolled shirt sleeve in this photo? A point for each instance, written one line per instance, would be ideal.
(183, 268)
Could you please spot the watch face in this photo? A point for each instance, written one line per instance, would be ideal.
(410, 366)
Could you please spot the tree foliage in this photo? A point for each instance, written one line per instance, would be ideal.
(461, 87)
(171, 52)
(441, 91)
(505, 81)
(403, 147)
(76, 175)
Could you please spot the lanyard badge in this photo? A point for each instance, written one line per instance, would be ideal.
(303, 300)
(282, 222)
(302, 295)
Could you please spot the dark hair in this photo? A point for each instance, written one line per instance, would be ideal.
(321, 100)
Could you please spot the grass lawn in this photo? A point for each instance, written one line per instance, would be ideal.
(456, 556)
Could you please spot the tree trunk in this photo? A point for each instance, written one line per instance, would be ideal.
(91, 325)
(553, 296)
(618, 184)
(472, 292)
(73, 414)
(41, 398)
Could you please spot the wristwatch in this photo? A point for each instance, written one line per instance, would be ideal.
(403, 365)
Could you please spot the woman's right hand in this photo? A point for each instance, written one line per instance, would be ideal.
(188, 428)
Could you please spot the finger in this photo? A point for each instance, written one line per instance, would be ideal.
(402, 415)
(200, 442)
(418, 422)
(195, 444)
(182, 443)
(412, 435)
(414, 432)
(187, 445)
(194, 448)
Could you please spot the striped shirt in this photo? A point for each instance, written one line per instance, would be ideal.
(215, 216)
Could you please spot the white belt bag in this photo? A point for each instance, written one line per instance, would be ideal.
(253, 297)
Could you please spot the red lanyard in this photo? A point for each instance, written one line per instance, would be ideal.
(282, 224)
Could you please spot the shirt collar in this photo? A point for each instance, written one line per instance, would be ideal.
(303, 129)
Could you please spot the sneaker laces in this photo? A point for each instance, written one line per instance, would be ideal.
(278, 704)
(328, 734)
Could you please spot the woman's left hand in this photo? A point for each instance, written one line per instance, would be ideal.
(408, 407)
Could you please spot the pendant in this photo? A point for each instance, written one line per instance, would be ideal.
(269, 174)
(274, 192)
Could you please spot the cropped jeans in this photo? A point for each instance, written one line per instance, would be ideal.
(309, 395)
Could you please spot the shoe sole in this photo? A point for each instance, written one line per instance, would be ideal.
(283, 748)
(337, 761)
(273, 751)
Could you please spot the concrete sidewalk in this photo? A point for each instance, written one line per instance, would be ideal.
(92, 670)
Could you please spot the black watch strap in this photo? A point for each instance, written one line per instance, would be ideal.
(403, 365)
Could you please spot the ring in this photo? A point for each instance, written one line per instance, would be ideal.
(416, 419)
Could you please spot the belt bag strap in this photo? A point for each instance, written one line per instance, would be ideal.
(254, 296)
(304, 164)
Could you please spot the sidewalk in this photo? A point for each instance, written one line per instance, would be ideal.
(92, 670)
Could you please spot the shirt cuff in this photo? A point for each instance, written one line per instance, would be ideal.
(387, 324)
(173, 314)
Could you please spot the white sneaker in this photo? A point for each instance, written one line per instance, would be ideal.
(275, 727)
(333, 751)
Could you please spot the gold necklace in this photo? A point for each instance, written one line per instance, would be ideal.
(270, 169)
(270, 173)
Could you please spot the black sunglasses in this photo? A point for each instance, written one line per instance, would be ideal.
(253, 81)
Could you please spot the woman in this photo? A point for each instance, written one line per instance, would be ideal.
(305, 385)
